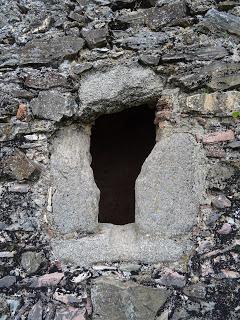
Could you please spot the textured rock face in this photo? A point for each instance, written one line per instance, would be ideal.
(169, 14)
(19, 167)
(53, 105)
(43, 51)
(118, 88)
(218, 103)
(123, 243)
(170, 186)
(75, 194)
(116, 300)
(224, 21)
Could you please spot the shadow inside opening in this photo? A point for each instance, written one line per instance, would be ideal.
(120, 143)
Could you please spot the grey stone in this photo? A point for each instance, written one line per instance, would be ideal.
(36, 312)
(200, 6)
(217, 76)
(234, 145)
(119, 243)
(127, 17)
(224, 21)
(18, 166)
(193, 53)
(118, 88)
(7, 281)
(168, 15)
(218, 175)
(80, 68)
(171, 278)
(53, 105)
(149, 59)
(31, 261)
(69, 313)
(95, 37)
(42, 51)
(19, 188)
(45, 79)
(116, 300)
(142, 40)
(195, 290)
(75, 194)
(221, 202)
(171, 186)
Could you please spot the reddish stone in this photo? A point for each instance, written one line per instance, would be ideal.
(214, 151)
(219, 136)
(47, 280)
(226, 229)
(230, 274)
(88, 306)
(162, 115)
(221, 202)
(22, 112)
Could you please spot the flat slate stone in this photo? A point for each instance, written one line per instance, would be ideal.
(119, 243)
(170, 14)
(224, 21)
(53, 105)
(75, 194)
(117, 88)
(43, 51)
(117, 300)
(170, 186)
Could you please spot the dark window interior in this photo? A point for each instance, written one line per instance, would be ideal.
(120, 143)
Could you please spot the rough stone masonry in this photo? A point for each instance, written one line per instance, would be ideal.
(64, 63)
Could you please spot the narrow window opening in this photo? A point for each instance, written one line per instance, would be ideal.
(120, 143)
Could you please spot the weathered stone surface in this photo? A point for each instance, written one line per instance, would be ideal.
(43, 51)
(118, 88)
(224, 21)
(171, 278)
(69, 313)
(221, 202)
(170, 186)
(217, 103)
(199, 6)
(31, 261)
(219, 136)
(149, 59)
(7, 281)
(142, 40)
(45, 79)
(19, 167)
(225, 229)
(95, 37)
(170, 14)
(112, 243)
(116, 300)
(47, 280)
(216, 76)
(128, 17)
(22, 112)
(36, 311)
(193, 53)
(75, 198)
(197, 290)
(53, 105)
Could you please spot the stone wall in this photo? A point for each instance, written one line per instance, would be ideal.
(63, 63)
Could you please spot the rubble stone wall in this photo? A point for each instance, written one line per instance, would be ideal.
(63, 63)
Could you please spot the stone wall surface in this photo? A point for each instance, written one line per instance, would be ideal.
(62, 64)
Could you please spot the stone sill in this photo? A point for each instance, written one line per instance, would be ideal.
(120, 243)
